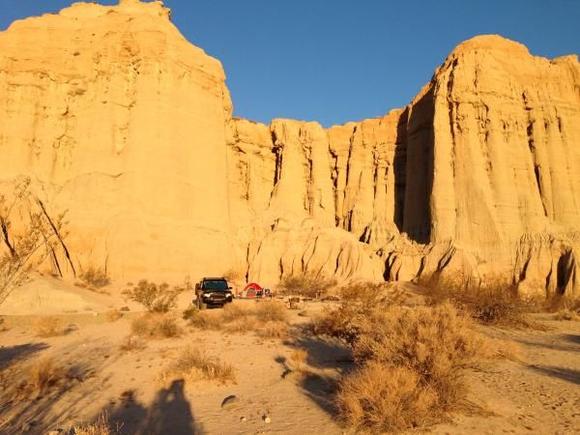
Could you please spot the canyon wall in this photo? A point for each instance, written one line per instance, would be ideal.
(127, 126)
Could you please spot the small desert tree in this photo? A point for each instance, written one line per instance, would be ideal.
(306, 285)
(35, 237)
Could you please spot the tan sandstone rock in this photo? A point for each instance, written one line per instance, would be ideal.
(122, 122)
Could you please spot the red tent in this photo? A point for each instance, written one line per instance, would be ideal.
(252, 290)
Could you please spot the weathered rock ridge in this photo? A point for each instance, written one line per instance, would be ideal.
(122, 122)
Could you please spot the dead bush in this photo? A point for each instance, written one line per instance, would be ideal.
(113, 315)
(206, 320)
(99, 427)
(38, 234)
(155, 298)
(409, 363)
(298, 359)
(384, 398)
(194, 364)
(49, 327)
(41, 377)
(155, 325)
(132, 344)
(95, 278)
(273, 329)
(492, 303)
(306, 285)
(268, 318)
(360, 305)
(271, 311)
(567, 315)
(558, 303)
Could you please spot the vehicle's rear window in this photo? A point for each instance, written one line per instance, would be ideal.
(215, 285)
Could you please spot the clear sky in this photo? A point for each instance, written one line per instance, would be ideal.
(339, 60)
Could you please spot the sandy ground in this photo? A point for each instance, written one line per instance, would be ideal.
(539, 394)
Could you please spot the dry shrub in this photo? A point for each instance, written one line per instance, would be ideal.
(241, 325)
(41, 377)
(194, 364)
(155, 298)
(49, 327)
(559, 303)
(386, 398)
(268, 318)
(567, 315)
(132, 343)
(155, 325)
(99, 427)
(206, 320)
(409, 362)
(492, 303)
(95, 278)
(273, 329)
(113, 315)
(271, 311)
(307, 285)
(298, 359)
(360, 304)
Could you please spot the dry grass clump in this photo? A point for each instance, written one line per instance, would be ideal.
(268, 318)
(271, 311)
(493, 303)
(49, 327)
(113, 315)
(567, 315)
(409, 367)
(155, 325)
(155, 298)
(99, 427)
(409, 362)
(298, 359)
(360, 305)
(194, 364)
(273, 329)
(386, 399)
(306, 285)
(95, 278)
(40, 378)
(132, 344)
(564, 308)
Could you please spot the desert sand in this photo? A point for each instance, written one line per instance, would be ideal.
(538, 393)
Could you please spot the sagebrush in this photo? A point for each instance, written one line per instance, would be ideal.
(194, 364)
(307, 285)
(156, 325)
(155, 298)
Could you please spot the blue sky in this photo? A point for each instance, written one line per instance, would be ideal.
(340, 60)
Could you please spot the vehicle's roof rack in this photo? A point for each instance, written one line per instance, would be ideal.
(214, 278)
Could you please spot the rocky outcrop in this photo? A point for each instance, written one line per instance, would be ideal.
(478, 176)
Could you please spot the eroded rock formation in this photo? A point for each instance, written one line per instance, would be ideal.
(129, 127)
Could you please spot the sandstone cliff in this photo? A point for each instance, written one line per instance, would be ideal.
(126, 125)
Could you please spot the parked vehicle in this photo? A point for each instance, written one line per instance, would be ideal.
(212, 292)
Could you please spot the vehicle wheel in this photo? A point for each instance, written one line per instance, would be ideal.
(200, 304)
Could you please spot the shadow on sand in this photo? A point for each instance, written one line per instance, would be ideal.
(565, 374)
(13, 354)
(170, 413)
